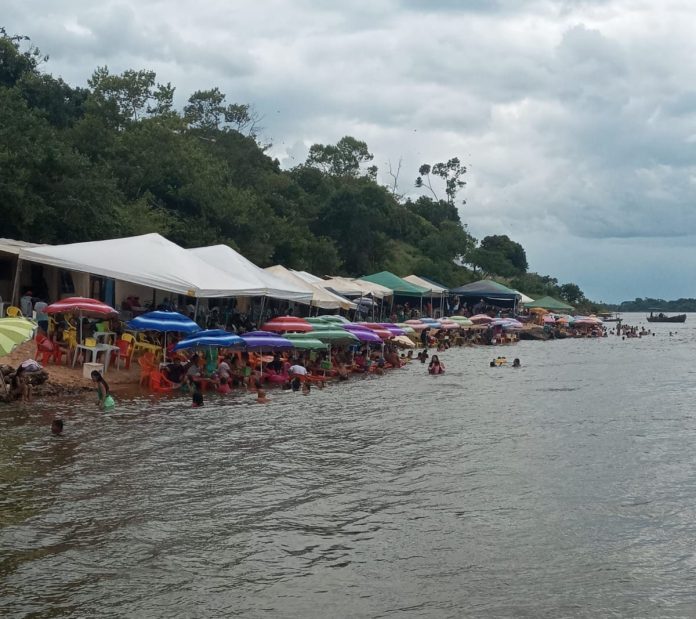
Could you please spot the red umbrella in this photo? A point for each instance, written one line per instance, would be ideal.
(287, 324)
(91, 308)
(82, 306)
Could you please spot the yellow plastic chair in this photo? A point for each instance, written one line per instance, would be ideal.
(90, 342)
(13, 312)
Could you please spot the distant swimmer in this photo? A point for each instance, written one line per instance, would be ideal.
(516, 363)
(57, 427)
(435, 366)
(493, 364)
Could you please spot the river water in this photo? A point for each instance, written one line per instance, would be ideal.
(565, 488)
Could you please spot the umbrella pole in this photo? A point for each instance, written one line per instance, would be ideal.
(195, 311)
(164, 350)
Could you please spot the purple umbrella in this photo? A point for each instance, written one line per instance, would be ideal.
(363, 334)
(389, 326)
(265, 340)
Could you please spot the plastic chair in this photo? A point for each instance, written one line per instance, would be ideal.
(125, 351)
(90, 342)
(160, 383)
(44, 348)
(13, 312)
(147, 364)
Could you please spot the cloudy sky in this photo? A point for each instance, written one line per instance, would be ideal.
(577, 118)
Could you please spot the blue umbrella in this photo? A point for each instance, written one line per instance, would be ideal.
(211, 338)
(164, 322)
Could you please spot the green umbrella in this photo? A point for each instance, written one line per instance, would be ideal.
(13, 332)
(334, 336)
(302, 342)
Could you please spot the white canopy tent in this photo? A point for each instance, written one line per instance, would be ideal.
(308, 277)
(524, 299)
(424, 283)
(233, 263)
(343, 285)
(321, 297)
(149, 260)
(376, 290)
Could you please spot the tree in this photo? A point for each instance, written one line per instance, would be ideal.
(130, 96)
(510, 250)
(450, 172)
(342, 159)
(572, 294)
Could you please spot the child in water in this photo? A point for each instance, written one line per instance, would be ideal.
(104, 399)
(435, 366)
(261, 397)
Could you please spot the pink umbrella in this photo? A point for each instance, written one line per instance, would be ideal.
(480, 319)
(287, 324)
(416, 325)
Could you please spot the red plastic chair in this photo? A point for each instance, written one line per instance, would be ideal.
(45, 348)
(160, 383)
(147, 364)
(125, 351)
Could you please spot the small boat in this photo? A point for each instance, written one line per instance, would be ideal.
(662, 317)
(609, 316)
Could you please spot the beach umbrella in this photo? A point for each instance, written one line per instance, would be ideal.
(13, 332)
(481, 318)
(304, 341)
(404, 341)
(210, 338)
(83, 307)
(335, 318)
(336, 336)
(263, 340)
(549, 319)
(365, 335)
(449, 324)
(416, 325)
(285, 324)
(385, 334)
(407, 329)
(390, 326)
(461, 320)
(163, 322)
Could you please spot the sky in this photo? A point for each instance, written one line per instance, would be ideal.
(576, 119)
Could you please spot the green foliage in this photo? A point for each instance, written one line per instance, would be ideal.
(342, 159)
(647, 304)
(117, 159)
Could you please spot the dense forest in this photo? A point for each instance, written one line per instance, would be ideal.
(116, 158)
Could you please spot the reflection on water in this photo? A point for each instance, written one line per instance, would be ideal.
(565, 488)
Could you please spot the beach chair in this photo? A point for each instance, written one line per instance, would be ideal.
(45, 349)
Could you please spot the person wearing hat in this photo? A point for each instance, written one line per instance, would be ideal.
(26, 304)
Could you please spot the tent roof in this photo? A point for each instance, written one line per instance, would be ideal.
(149, 260)
(397, 284)
(234, 264)
(549, 303)
(432, 287)
(320, 296)
(524, 298)
(378, 291)
(342, 285)
(10, 246)
(486, 288)
(308, 277)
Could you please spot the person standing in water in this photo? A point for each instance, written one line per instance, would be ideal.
(104, 399)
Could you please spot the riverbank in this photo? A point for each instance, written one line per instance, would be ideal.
(66, 381)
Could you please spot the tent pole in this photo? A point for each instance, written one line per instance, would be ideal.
(15, 284)
(195, 311)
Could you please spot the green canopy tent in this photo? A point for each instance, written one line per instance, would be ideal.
(551, 304)
(399, 285)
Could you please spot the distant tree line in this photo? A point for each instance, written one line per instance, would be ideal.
(647, 304)
(117, 159)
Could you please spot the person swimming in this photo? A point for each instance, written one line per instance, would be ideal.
(57, 427)
(516, 363)
(261, 397)
(197, 396)
(104, 398)
(435, 366)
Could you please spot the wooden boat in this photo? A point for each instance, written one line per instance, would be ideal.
(609, 316)
(662, 317)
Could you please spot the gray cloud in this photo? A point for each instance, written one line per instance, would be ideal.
(577, 117)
